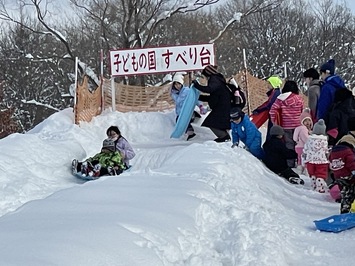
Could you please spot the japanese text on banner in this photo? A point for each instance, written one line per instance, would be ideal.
(161, 59)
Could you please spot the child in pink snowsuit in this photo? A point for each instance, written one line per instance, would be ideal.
(301, 134)
(315, 153)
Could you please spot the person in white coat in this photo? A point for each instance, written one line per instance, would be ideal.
(315, 153)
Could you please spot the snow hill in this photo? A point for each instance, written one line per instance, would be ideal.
(192, 203)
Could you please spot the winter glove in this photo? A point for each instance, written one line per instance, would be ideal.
(235, 145)
(203, 109)
(255, 112)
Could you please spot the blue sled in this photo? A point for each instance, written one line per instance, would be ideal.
(336, 223)
(89, 178)
(186, 113)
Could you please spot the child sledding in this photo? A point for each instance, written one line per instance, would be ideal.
(112, 160)
(107, 162)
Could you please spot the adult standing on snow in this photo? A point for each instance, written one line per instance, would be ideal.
(311, 77)
(332, 83)
(219, 100)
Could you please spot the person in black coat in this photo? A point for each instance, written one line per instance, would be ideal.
(219, 100)
(343, 108)
(276, 155)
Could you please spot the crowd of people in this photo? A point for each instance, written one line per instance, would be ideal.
(318, 140)
(301, 137)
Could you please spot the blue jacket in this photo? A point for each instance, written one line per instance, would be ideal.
(247, 132)
(179, 98)
(326, 97)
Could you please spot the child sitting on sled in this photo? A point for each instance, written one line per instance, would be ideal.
(277, 154)
(107, 162)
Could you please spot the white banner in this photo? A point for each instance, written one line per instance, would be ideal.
(161, 59)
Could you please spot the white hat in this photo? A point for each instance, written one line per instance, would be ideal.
(178, 78)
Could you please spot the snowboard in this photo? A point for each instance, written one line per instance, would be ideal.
(336, 223)
(186, 113)
(260, 118)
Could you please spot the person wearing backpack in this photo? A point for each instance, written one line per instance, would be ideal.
(219, 100)
(238, 98)
(332, 83)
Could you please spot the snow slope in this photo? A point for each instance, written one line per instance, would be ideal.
(182, 203)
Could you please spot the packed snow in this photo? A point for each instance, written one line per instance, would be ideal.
(194, 202)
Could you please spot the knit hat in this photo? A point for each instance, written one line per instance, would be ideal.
(348, 139)
(306, 114)
(236, 113)
(351, 123)
(319, 127)
(328, 67)
(276, 130)
(311, 73)
(108, 144)
(209, 70)
(178, 78)
(275, 81)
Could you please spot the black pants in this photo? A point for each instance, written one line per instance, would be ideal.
(220, 133)
(347, 197)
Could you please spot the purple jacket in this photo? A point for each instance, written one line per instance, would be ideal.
(123, 146)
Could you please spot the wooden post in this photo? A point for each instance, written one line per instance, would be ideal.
(246, 81)
(113, 94)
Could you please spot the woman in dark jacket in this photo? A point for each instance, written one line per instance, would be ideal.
(219, 100)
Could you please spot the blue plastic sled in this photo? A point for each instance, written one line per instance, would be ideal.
(336, 223)
(186, 113)
(89, 178)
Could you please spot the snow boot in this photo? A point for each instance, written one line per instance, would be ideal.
(191, 136)
(296, 180)
(313, 182)
(321, 185)
(223, 139)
